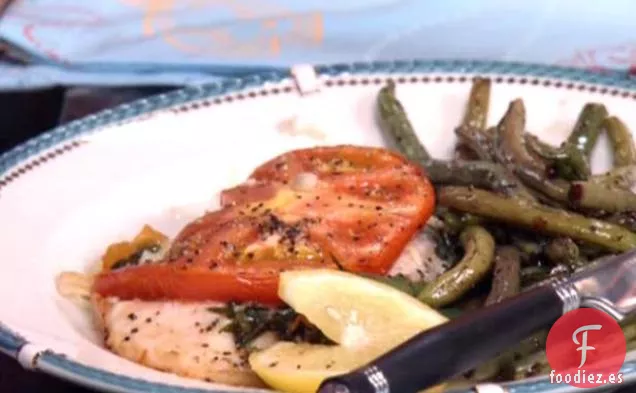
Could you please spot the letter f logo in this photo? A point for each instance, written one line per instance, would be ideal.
(584, 347)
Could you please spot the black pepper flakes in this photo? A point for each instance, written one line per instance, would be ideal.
(132, 316)
(134, 330)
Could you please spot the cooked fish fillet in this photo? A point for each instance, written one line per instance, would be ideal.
(185, 339)
(418, 261)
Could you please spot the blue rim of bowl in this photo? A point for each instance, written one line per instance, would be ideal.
(59, 365)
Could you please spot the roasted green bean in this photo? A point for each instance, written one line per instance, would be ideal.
(397, 127)
(457, 222)
(567, 161)
(571, 164)
(478, 103)
(529, 249)
(555, 189)
(588, 127)
(504, 363)
(536, 217)
(621, 177)
(530, 366)
(506, 274)
(601, 197)
(622, 141)
(533, 274)
(510, 148)
(557, 215)
(395, 120)
(624, 219)
(539, 147)
(479, 248)
(489, 369)
(476, 173)
(477, 141)
(464, 152)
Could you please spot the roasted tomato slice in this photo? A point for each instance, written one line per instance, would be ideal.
(347, 207)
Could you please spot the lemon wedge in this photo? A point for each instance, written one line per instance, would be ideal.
(364, 317)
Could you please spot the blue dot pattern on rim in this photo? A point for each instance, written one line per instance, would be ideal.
(59, 365)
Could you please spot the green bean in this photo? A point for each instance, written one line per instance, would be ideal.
(567, 160)
(528, 248)
(478, 103)
(629, 329)
(624, 219)
(533, 274)
(464, 152)
(506, 274)
(397, 125)
(536, 217)
(588, 127)
(531, 365)
(490, 369)
(456, 222)
(509, 142)
(622, 141)
(601, 197)
(540, 148)
(571, 163)
(621, 177)
(591, 252)
(479, 247)
(477, 141)
(476, 173)
(504, 362)
(531, 344)
(555, 189)
(563, 250)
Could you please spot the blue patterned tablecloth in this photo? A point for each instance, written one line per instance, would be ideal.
(120, 42)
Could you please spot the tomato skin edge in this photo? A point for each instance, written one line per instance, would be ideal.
(174, 282)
